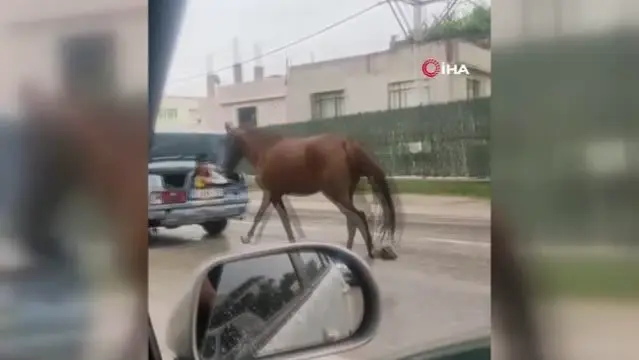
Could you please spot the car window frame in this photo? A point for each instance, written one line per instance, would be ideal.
(154, 347)
(308, 282)
(165, 19)
(308, 287)
(279, 318)
(211, 144)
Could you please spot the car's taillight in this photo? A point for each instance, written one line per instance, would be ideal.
(167, 197)
(155, 198)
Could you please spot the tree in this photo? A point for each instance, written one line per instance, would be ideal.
(472, 26)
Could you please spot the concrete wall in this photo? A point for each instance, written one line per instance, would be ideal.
(31, 31)
(267, 95)
(187, 110)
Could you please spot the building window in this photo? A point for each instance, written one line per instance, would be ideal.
(473, 89)
(168, 114)
(327, 105)
(403, 94)
(88, 65)
(247, 117)
(398, 93)
(194, 116)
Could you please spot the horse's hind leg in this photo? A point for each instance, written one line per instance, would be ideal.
(351, 226)
(266, 201)
(354, 217)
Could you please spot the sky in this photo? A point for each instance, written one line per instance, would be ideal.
(210, 26)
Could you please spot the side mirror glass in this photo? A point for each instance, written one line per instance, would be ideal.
(293, 300)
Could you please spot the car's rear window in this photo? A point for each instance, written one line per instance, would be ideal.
(188, 145)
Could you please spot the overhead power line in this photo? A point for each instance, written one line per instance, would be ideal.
(402, 25)
(292, 43)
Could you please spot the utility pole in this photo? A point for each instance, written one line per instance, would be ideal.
(418, 25)
(418, 37)
(419, 20)
(416, 34)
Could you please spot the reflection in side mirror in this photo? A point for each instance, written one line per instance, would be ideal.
(288, 301)
(276, 303)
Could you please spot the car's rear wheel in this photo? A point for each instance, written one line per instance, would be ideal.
(214, 228)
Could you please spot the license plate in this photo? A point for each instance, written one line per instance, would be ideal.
(206, 193)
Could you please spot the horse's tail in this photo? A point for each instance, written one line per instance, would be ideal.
(365, 165)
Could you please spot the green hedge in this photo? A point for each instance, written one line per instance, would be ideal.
(449, 139)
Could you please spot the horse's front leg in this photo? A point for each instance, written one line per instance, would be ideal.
(295, 220)
(286, 221)
(266, 200)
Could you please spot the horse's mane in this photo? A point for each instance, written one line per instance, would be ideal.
(263, 137)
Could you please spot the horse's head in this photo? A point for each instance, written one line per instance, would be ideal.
(249, 143)
(236, 148)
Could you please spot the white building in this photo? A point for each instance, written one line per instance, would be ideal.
(260, 102)
(372, 82)
(385, 80)
(180, 113)
(73, 45)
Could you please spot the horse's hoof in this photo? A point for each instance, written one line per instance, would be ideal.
(387, 253)
(245, 240)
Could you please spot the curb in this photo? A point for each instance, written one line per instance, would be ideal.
(405, 218)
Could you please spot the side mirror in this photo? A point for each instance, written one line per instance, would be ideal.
(294, 301)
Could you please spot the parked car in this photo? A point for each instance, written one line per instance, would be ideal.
(187, 186)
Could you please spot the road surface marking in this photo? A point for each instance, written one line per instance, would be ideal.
(454, 241)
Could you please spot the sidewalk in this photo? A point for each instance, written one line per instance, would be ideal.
(431, 206)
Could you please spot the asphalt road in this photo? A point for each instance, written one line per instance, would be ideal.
(439, 288)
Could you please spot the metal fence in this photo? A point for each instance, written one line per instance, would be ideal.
(438, 140)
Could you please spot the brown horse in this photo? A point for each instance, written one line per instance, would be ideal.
(326, 163)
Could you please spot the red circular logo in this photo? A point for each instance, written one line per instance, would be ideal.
(434, 65)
